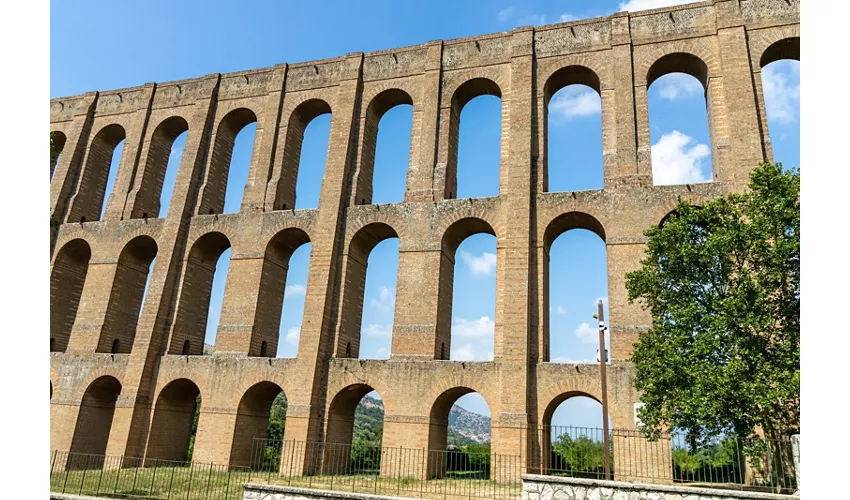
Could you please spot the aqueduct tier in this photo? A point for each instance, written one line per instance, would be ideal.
(125, 383)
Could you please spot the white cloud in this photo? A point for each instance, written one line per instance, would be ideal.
(560, 309)
(566, 16)
(296, 290)
(482, 265)
(481, 328)
(676, 161)
(489, 356)
(382, 353)
(385, 300)
(636, 5)
(587, 334)
(292, 335)
(596, 302)
(575, 101)
(679, 85)
(533, 19)
(464, 353)
(505, 14)
(781, 94)
(376, 330)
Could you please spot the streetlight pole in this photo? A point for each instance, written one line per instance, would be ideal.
(603, 359)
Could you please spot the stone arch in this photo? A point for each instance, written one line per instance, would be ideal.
(785, 48)
(214, 189)
(276, 259)
(195, 292)
(148, 200)
(377, 107)
(59, 140)
(252, 421)
(550, 463)
(66, 287)
(558, 226)
(355, 261)
(91, 188)
(453, 236)
(340, 427)
(173, 418)
(560, 79)
(438, 429)
(94, 421)
(125, 299)
(465, 92)
(304, 113)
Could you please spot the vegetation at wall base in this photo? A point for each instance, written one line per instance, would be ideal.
(722, 282)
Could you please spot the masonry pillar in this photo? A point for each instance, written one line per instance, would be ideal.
(304, 418)
(131, 422)
(426, 115)
(86, 335)
(516, 266)
(67, 169)
(620, 153)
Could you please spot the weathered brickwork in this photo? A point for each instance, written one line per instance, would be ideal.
(127, 387)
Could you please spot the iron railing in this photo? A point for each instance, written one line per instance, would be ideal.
(472, 471)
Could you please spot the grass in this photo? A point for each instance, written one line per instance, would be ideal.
(197, 481)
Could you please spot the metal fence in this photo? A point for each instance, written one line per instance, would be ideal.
(471, 471)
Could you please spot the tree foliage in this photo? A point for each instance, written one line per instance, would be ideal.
(722, 282)
(580, 457)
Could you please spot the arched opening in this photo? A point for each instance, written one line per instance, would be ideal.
(98, 177)
(253, 443)
(573, 438)
(294, 296)
(187, 346)
(385, 150)
(679, 106)
(203, 273)
(466, 319)
(779, 87)
(474, 149)
(354, 432)
(575, 279)
(273, 286)
(572, 131)
(372, 325)
(174, 423)
(127, 295)
(66, 286)
(165, 151)
(94, 422)
(450, 452)
(57, 146)
(304, 156)
(229, 163)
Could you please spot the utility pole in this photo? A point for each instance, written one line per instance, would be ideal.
(603, 360)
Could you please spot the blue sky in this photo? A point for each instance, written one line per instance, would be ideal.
(103, 46)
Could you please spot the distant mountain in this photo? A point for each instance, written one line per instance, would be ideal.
(465, 427)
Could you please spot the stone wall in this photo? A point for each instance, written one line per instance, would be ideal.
(124, 383)
(267, 492)
(535, 487)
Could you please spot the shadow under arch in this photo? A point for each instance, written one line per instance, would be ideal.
(193, 307)
(464, 93)
(438, 458)
(213, 191)
(149, 198)
(340, 429)
(173, 418)
(252, 421)
(66, 287)
(94, 422)
(452, 238)
(355, 263)
(678, 62)
(126, 296)
(786, 48)
(285, 186)
(89, 200)
(58, 140)
(378, 106)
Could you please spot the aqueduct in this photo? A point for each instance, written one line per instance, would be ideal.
(124, 383)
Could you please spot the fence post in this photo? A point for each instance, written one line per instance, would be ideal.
(795, 449)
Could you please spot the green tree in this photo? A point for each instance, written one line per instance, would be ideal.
(582, 457)
(722, 282)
